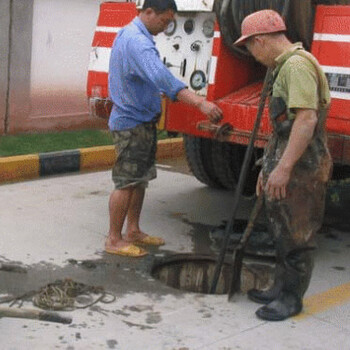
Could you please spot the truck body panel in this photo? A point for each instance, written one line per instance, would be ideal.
(194, 52)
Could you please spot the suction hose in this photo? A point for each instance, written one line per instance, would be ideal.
(299, 18)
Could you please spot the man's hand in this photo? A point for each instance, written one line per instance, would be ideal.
(276, 186)
(300, 137)
(213, 112)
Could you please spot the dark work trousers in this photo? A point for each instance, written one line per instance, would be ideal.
(294, 222)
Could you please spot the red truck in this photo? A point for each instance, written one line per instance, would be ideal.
(197, 48)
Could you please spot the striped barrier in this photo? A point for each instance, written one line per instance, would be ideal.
(26, 167)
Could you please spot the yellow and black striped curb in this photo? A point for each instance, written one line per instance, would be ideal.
(32, 166)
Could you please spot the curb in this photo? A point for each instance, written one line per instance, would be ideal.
(19, 168)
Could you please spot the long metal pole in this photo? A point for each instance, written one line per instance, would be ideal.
(244, 170)
(241, 181)
(238, 253)
(34, 314)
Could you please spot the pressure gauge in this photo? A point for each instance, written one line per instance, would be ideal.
(170, 29)
(189, 26)
(197, 80)
(176, 42)
(208, 28)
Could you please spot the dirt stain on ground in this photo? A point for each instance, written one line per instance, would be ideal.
(139, 326)
(339, 268)
(153, 318)
(111, 343)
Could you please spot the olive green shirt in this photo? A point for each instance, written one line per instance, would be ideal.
(300, 82)
(297, 81)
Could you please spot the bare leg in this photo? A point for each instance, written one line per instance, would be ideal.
(119, 203)
(133, 231)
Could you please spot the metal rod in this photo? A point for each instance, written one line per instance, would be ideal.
(244, 170)
(241, 180)
(34, 314)
(238, 253)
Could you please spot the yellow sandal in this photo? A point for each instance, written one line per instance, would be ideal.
(130, 250)
(150, 240)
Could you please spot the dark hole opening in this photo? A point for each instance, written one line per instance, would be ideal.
(191, 273)
(194, 273)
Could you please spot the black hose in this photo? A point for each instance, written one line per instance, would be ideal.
(331, 2)
(241, 181)
(229, 27)
(299, 18)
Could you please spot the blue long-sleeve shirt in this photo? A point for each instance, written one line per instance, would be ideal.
(137, 77)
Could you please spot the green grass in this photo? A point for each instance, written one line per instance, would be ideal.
(13, 145)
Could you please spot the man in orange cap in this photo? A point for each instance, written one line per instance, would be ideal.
(296, 163)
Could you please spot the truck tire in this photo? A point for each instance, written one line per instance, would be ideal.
(198, 153)
(227, 159)
(218, 164)
(226, 164)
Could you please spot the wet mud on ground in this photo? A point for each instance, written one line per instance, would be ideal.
(146, 313)
(120, 275)
(117, 275)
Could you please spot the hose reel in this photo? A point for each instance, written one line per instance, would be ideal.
(299, 18)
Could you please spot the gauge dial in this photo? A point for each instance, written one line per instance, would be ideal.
(170, 29)
(189, 26)
(208, 28)
(176, 43)
(197, 80)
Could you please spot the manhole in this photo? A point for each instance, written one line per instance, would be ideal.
(194, 273)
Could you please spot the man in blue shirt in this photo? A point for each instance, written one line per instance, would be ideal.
(137, 77)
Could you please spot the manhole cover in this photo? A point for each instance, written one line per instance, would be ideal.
(194, 273)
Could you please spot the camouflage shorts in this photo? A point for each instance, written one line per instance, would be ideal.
(136, 152)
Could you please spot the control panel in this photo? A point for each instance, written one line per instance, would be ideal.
(186, 48)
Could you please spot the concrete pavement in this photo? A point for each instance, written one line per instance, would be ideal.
(52, 225)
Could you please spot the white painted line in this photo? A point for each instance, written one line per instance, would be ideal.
(212, 69)
(332, 37)
(340, 95)
(334, 69)
(108, 29)
(188, 5)
(99, 59)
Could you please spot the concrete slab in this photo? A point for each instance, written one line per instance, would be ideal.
(52, 225)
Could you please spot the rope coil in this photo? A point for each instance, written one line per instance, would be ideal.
(62, 295)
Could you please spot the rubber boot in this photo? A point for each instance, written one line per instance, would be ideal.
(298, 267)
(285, 306)
(266, 296)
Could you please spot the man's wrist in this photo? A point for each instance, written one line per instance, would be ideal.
(287, 168)
(199, 102)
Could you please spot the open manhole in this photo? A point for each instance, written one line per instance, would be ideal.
(194, 273)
